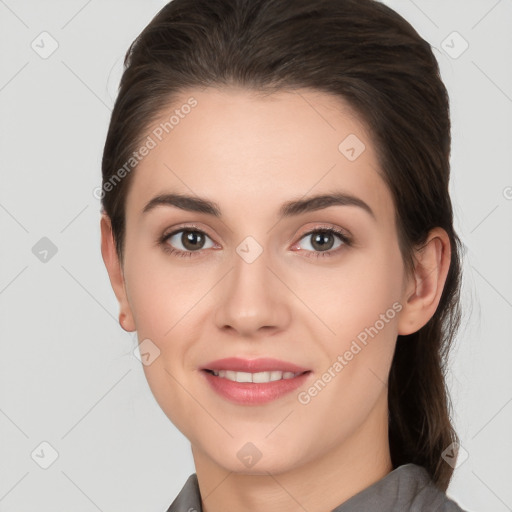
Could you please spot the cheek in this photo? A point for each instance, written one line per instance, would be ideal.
(355, 293)
(162, 302)
(161, 290)
(360, 303)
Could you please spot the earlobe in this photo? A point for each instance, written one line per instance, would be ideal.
(115, 272)
(420, 300)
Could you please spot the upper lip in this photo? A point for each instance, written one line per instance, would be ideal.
(238, 364)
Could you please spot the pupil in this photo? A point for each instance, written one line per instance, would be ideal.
(190, 239)
(320, 240)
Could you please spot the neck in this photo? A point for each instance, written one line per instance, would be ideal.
(323, 484)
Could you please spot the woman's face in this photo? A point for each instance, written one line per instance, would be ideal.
(257, 285)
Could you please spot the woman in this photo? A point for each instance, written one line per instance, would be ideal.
(278, 230)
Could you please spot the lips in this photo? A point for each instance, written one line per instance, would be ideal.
(254, 381)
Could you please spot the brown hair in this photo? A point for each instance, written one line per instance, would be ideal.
(367, 54)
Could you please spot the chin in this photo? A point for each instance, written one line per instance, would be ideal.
(256, 458)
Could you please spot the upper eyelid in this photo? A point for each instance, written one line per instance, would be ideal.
(179, 229)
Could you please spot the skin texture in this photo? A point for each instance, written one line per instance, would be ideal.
(250, 154)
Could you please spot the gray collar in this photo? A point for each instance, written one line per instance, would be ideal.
(407, 487)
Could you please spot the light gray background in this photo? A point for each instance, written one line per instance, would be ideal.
(67, 373)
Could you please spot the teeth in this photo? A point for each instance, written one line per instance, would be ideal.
(259, 377)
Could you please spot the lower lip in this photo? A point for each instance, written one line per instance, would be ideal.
(250, 393)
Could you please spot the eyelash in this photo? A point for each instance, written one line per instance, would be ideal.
(347, 241)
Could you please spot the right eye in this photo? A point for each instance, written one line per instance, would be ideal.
(191, 241)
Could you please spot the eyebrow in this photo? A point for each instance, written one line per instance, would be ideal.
(288, 209)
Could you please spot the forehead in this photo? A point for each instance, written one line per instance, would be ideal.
(246, 150)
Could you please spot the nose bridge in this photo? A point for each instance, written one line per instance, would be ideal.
(251, 298)
(250, 263)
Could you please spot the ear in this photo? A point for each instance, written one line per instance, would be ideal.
(115, 272)
(423, 292)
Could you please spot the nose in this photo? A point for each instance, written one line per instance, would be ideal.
(252, 299)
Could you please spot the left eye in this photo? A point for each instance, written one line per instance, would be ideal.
(323, 240)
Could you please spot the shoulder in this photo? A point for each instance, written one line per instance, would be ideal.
(189, 498)
(406, 488)
(419, 492)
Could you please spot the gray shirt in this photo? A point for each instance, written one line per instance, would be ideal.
(406, 488)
